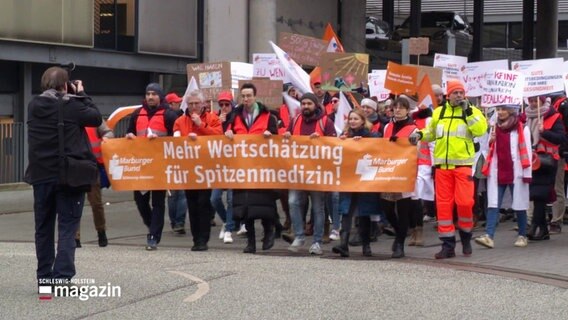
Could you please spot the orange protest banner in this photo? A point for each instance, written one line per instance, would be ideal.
(401, 79)
(252, 161)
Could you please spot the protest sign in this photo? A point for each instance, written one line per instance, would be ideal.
(303, 49)
(240, 71)
(435, 74)
(255, 162)
(401, 79)
(344, 71)
(542, 76)
(418, 46)
(473, 75)
(211, 78)
(376, 81)
(269, 92)
(267, 65)
(451, 66)
(503, 87)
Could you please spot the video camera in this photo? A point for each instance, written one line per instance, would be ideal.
(72, 83)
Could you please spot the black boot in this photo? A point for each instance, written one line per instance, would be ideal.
(542, 234)
(103, 241)
(251, 238)
(365, 233)
(356, 240)
(398, 249)
(343, 247)
(465, 238)
(448, 248)
(375, 231)
(268, 239)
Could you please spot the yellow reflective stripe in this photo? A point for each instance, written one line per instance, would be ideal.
(472, 121)
(445, 222)
(456, 162)
(462, 219)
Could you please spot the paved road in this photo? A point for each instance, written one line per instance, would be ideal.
(223, 283)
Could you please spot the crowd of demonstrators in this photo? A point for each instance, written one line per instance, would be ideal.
(154, 119)
(252, 117)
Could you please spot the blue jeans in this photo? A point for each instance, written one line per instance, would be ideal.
(493, 214)
(297, 200)
(225, 214)
(177, 207)
(332, 205)
(51, 203)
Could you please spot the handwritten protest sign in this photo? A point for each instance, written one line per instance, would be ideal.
(451, 66)
(344, 71)
(303, 49)
(377, 85)
(473, 75)
(502, 87)
(267, 65)
(212, 78)
(418, 46)
(542, 76)
(401, 79)
(269, 92)
(252, 161)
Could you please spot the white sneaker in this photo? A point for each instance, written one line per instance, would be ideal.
(242, 230)
(316, 249)
(427, 218)
(334, 235)
(485, 241)
(222, 232)
(227, 237)
(521, 242)
(296, 245)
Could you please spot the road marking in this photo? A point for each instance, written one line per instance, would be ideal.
(202, 286)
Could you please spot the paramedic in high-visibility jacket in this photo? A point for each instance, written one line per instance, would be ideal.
(453, 127)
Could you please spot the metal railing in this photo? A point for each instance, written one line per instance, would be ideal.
(11, 152)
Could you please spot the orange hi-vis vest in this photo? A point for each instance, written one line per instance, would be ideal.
(376, 127)
(404, 132)
(95, 143)
(259, 125)
(424, 157)
(544, 146)
(297, 128)
(156, 124)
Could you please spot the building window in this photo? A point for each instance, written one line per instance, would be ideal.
(115, 24)
(495, 35)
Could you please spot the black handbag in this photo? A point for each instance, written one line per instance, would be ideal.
(544, 162)
(74, 174)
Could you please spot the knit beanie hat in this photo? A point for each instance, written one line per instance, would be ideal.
(454, 85)
(156, 88)
(369, 103)
(311, 96)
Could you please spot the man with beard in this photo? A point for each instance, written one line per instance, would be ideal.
(154, 119)
(311, 122)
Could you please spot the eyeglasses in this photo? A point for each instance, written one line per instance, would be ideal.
(224, 104)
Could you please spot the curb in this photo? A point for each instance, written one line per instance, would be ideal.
(15, 186)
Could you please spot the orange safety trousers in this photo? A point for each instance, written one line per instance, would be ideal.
(454, 186)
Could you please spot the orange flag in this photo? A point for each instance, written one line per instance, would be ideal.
(334, 46)
(426, 98)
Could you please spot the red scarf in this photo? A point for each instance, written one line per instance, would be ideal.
(523, 152)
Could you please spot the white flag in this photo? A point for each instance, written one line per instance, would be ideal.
(293, 105)
(191, 86)
(342, 113)
(299, 78)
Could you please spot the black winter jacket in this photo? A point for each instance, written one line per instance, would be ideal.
(43, 144)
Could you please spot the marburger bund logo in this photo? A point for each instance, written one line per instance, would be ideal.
(368, 168)
(118, 166)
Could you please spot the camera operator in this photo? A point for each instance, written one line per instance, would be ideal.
(43, 172)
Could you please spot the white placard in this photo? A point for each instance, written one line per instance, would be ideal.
(240, 71)
(542, 76)
(503, 87)
(473, 75)
(267, 65)
(451, 66)
(377, 85)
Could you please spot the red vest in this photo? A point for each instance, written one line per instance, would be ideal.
(320, 126)
(404, 132)
(423, 147)
(259, 125)
(376, 127)
(544, 146)
(156, 123)
(95, 143)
